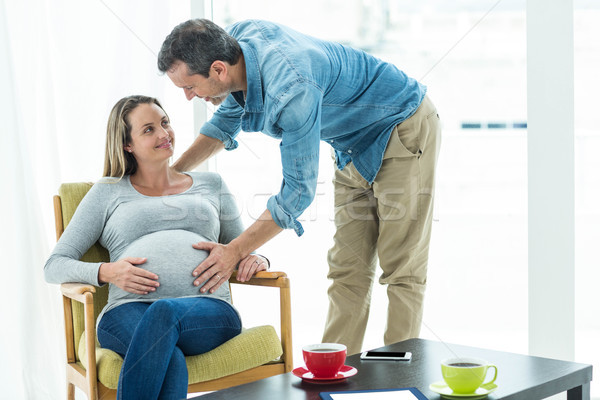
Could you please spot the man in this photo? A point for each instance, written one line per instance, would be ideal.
(385, 133)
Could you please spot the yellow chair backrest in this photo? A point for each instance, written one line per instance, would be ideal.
(71, 195)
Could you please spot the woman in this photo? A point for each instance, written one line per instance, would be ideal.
(148, 216)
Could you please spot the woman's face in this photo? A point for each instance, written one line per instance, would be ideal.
(152, 137)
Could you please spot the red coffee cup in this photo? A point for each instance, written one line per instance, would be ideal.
(324, 360)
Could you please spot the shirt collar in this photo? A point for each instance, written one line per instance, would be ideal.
(254, 99)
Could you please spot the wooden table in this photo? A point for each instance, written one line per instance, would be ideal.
(520, 377)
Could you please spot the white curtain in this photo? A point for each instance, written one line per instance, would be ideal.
(30, 366)
(63, 64)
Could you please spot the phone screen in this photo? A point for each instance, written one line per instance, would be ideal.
(395, 354)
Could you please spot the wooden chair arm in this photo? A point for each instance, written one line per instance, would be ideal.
(77, 291)
(264, 278)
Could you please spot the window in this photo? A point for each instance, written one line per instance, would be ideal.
(587, 186)
(472, 58)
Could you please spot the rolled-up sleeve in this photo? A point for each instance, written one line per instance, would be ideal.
(300, 124)
(225, 123)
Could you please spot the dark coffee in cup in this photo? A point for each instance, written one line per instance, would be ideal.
(464, 365)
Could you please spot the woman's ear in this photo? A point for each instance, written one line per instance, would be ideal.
(127, 148)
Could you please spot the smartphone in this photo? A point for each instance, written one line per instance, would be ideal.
(386, 355)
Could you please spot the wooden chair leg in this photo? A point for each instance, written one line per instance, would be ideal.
(70, 391)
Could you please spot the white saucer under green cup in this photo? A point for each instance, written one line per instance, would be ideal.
(464, 375)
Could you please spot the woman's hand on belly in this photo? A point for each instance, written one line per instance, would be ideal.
(125, 275)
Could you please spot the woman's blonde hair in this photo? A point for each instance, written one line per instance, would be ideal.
(117, 161)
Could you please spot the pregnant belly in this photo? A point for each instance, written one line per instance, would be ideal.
(170, 255)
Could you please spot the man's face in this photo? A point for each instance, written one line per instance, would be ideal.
(212, 89)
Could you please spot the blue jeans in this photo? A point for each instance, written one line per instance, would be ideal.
(154, 338)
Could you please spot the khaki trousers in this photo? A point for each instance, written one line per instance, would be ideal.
(389, 219)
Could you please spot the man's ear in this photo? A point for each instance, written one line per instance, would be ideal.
(220, 69)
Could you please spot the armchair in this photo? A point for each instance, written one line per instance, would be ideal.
(256, 353)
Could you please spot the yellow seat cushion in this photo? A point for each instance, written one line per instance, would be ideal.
(251, 348)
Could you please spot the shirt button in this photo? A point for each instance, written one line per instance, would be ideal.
(349, 151)
(331, 141)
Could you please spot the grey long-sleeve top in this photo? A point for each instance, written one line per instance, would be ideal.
(162, 229)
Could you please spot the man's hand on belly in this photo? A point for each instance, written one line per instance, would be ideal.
(218, 266)
(223, 258)
(125, 275)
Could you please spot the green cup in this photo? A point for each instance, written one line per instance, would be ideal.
(465, 374)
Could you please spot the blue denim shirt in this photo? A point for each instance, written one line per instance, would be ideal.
(302, 90)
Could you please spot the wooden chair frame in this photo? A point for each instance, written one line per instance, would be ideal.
(87, 380)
